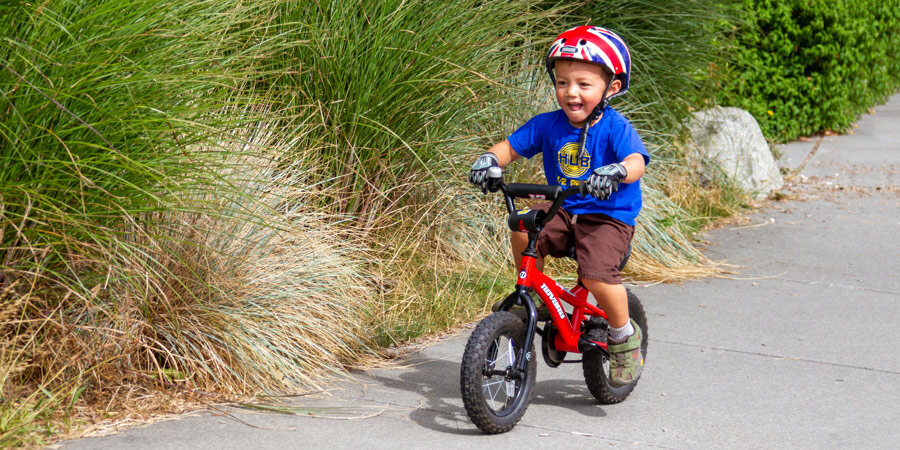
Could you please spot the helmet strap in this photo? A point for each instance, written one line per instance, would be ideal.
(596, 113)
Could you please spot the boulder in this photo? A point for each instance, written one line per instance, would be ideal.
(729, 142)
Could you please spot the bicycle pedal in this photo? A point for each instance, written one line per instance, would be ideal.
(596, 323)
(592, 339)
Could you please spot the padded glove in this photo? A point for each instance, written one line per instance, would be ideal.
(478, 175)
(605, 180)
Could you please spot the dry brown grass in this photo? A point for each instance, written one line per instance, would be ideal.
(268, 295)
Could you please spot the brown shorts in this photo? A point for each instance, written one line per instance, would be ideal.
(600, 243)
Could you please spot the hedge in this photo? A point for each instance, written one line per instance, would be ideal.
(806, 66)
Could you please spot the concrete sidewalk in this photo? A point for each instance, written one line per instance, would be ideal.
(799, 350)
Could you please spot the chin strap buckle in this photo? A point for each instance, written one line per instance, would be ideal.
(597, 112)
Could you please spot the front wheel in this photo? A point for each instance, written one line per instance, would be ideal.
(596, 363)
(495, 400)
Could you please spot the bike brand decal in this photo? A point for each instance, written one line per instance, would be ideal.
(523, 274)
(520, 213)
(537, 196)
(559, 310)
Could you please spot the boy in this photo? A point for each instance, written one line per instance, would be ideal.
(592, 65)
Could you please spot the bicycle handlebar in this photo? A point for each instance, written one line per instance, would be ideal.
(512, 191)
(535, 191)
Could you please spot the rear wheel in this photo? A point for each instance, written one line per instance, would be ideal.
(494, 398)
(596, 363)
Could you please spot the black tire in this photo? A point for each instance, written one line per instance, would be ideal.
(495, 403)
(596, 364)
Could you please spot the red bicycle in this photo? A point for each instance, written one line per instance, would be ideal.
(498, 366)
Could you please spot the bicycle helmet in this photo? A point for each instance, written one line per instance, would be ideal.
(594, 45)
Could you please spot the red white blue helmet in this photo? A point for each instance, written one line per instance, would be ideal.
(594, 45)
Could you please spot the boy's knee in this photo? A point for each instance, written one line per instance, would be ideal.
(608, 277)
(518, 236)
(594, 284)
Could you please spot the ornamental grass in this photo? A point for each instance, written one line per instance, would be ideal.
(214, 200)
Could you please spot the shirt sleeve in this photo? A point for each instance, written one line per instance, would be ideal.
(627, 142)
(526, 141)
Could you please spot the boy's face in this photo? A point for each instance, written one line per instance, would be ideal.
(579, 88)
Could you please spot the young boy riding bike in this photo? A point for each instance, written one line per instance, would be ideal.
(588, 66)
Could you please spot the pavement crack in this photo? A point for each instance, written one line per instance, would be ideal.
(769, 355)
(829, 284)
(808, 156)
(838, 285)
(593, 436)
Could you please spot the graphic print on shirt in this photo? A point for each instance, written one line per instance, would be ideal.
(570, 166)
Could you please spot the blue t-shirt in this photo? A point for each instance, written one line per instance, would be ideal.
(609, 141)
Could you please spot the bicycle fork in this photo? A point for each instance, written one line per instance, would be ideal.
(530, 328)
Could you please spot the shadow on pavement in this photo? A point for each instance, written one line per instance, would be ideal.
(436, 382)
(571, 395)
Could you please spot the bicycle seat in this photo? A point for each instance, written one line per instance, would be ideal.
(570, 253)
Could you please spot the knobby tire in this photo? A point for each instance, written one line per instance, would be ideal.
(480, 392)
(596, 368)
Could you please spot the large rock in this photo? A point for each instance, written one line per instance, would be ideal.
(729, 142)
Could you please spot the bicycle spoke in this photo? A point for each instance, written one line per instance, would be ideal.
(494, 385)
(511, 360)
(491, 395)
(494, 389)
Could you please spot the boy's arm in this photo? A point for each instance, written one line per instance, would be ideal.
(501, 154)
(505, 153)
(634, 167)
(605, 180)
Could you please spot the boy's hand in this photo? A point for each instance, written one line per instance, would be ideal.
(478, 175)
(605, 180)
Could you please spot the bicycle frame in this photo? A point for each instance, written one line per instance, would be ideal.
(568, 326)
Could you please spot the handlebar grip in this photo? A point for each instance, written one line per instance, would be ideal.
(583, 190)
(494, 179)
(536, 191)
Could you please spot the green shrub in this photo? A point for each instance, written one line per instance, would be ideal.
(807, 66)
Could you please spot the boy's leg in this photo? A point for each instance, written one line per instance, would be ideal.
(518, 241)
(624, 343)
(553, 241)
(602, 243)
(612, 298)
